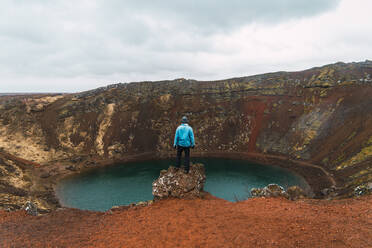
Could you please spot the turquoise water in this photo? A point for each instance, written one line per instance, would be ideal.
(102, 188)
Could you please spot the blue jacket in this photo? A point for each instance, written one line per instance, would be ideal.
(184, 136)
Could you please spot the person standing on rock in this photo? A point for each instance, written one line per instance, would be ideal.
(183, 140)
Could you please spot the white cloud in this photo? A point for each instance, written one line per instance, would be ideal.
(63, 45)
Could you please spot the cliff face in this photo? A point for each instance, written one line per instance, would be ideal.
(319, 118)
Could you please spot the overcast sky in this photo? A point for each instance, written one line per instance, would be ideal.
(70, 46)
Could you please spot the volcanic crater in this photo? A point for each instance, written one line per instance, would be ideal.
(314, 122)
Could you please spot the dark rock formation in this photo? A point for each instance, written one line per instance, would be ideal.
(295, 193)
(271, 190)
(274, 190)
(174, 182)
(329, 192)
(71, 168)
(363, 189)
(30, 208)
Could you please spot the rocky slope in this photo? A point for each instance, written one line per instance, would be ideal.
(316, 122)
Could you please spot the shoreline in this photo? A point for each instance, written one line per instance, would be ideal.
(315, 176)
(46, 177)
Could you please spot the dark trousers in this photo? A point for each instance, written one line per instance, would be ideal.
(187, 157)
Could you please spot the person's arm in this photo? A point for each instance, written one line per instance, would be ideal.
(175, 139)
(191, 134)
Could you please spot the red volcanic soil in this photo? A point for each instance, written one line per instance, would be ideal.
(209, 222)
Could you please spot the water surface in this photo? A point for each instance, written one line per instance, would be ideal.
(230, 179)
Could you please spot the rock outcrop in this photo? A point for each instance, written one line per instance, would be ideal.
(363, 189)
(295, 193)
(30, 208)
(273, 190)
(174, 182)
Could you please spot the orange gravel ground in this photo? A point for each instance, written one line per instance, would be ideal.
(210, 222)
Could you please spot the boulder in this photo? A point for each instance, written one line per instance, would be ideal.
(257, 192)
(274, 190)
(271, 190)
(295, 193)
(174, 182)
(30, 208)
(329, 192)
(71, 168)
(363, 189)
